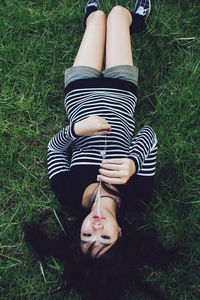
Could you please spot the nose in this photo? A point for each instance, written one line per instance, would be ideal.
(97, 225)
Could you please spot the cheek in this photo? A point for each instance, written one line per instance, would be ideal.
(116, 234)
(113, 230)
(116, 230)
(85, 225)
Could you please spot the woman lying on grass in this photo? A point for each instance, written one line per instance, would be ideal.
(110, 171)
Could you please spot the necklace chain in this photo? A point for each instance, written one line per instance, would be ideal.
(98, 196)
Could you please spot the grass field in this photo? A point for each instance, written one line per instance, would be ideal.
(39, 40)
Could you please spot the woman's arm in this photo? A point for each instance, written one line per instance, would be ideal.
(58, 160)
(143, 151)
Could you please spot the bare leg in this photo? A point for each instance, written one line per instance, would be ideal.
(91, 51)
(118, 42)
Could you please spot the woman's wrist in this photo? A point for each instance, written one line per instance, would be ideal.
(134, 160)
(132, 167)
(74, 130)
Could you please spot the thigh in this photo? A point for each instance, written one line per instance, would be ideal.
(118, 41)
(91, 50)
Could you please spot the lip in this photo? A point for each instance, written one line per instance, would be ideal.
(97, 217)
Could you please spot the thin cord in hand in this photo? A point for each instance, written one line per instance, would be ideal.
(98, 196)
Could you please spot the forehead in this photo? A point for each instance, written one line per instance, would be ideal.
(95, 247)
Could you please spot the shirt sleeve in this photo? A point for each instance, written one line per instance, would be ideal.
(57, 158)
(143, 151)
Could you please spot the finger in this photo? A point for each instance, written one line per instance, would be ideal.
(111, 180)
(102, 120)
(116, 167)
(103, 130)
(114, 174)
(105, 126)
(119, 161)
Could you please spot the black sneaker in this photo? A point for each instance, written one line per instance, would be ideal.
(143, 8)
(90, 7)
(139, 16)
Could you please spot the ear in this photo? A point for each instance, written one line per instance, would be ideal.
(120, 232)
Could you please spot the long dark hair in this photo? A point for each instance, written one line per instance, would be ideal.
(106, 276)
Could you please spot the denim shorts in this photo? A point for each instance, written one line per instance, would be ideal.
(124, 72)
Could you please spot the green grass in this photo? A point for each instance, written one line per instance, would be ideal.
(39, 40)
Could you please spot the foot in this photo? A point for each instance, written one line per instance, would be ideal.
(139, 16)
(92, 3)
(142, 8)
(90, 7)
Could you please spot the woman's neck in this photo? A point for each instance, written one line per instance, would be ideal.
(107, 200)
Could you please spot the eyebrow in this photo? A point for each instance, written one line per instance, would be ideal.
(103, 244)
(103, 236)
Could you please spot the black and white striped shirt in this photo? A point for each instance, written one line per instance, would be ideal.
(114, 100)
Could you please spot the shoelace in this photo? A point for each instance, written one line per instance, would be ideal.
(92, 3)
(141, 11)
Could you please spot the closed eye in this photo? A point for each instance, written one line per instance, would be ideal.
(86, 234)
(105, 237)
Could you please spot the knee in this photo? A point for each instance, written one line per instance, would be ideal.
(117, 11)
(97, 17)
(99, 14)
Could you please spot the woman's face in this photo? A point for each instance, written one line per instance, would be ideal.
(102, 232)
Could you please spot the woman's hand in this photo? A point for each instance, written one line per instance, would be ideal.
(116, 171)
(93, 125)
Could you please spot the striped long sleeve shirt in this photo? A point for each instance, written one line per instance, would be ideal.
(114, 100)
